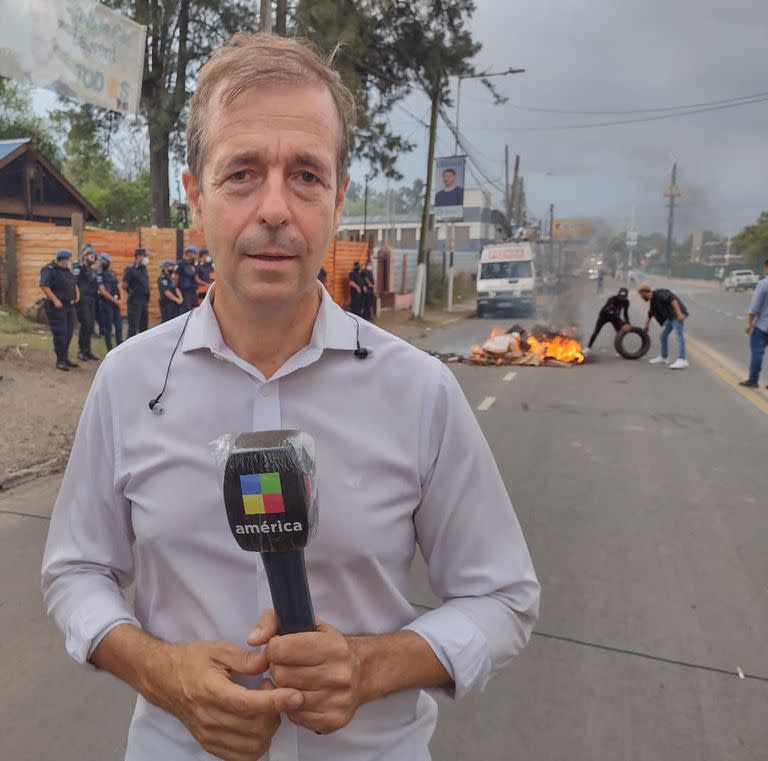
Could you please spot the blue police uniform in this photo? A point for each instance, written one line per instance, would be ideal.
(86, 307)
(168, 308)
(109, 313)
(186, 272)
(136, 280)
(61, 321)
(204, 272)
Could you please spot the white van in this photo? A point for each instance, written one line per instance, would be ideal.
(506, 278)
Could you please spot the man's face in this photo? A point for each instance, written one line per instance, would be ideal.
(63, 263)
(268, 201)
(449, 178)
(189, 256)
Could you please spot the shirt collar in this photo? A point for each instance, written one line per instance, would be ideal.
(334, 328)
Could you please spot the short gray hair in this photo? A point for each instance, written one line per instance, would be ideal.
(249, 59)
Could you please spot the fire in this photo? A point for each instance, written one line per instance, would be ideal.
(521, 348)
(558, 347)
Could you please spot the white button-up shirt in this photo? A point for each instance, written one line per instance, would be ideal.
(401, 461)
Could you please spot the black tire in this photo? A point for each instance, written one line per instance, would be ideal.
(641, 352)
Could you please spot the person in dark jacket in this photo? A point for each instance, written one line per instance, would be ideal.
(86, 272)
(186, 272)
(670, 312)
(109, 298)
(204, 274)
(136, 283)
(170, 297)
(356, 290)
(59, 285)
(614, 311)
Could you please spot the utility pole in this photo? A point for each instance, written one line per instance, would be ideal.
(365, 212)
(515, 200)
(673, 192)
(507, 208)
(265, 16)
(421, 280)
(552, 235)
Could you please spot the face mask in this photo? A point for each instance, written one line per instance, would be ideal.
(145, 261)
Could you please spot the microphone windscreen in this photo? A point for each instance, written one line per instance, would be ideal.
(270, 490)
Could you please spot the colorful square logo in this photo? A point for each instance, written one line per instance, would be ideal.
(262, 493)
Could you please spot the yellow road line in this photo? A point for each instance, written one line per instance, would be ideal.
(728, 371)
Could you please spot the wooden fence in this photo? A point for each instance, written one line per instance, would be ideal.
(26, 247)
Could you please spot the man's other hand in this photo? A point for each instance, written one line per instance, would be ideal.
(229, 721)
(324, 665)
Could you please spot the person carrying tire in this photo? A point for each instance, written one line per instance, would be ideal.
(616, 312)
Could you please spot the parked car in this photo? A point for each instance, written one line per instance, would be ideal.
(740, 280)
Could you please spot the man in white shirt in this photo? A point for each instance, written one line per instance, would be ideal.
(268, 152)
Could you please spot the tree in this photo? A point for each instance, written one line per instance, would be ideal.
(180, 37)
(17, 120)
(752, 242)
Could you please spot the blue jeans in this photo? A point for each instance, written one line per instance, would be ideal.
(666, 330)
(758, 341)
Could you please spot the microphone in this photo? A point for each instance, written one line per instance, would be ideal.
(269, 496)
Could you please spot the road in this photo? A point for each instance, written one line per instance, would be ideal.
(642, 495)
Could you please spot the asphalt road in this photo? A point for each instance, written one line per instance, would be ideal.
(642, 494)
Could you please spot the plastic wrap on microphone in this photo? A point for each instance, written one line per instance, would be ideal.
(269, 481)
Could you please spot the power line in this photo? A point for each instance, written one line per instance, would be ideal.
(568, 127)
(621, 112)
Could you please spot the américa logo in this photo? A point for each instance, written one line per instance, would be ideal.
(262, 494)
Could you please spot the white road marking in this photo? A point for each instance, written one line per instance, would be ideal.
(509, 377)
(728, 314)
(486, 404)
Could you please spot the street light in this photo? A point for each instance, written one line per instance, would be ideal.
(478, 76)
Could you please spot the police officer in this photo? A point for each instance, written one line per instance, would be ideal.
(109, 302)
(136, 283)
(59, 285)
(204, 272)
(170, 297)
(86, 274)
(356, 290)
(186, 271)
(369, 292)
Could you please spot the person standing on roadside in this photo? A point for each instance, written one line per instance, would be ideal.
(203, 274)
(140, 504)
(86, 274)
(59, 285)
(186, 272)
(356, 290)
(109, 297)
(369, 292)
(757, 330)
(170, 298)
(670, 312)
(136, 283)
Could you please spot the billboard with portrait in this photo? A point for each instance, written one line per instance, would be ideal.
(77, 48)
(448, 198)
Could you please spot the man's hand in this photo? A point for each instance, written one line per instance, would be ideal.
(646, 326)
(626, 327)
(57, 304)
(324, 665)
(749, 325)
(194, 682)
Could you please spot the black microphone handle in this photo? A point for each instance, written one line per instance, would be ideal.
(287, 576)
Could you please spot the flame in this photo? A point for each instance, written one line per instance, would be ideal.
(562, 348)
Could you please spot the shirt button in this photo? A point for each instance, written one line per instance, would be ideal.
(266, 391)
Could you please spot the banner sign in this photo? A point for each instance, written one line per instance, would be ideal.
(77, 48)
(448, 201)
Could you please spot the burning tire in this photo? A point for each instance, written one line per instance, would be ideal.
(632, 350)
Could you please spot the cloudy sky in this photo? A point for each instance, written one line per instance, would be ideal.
(618, 56)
